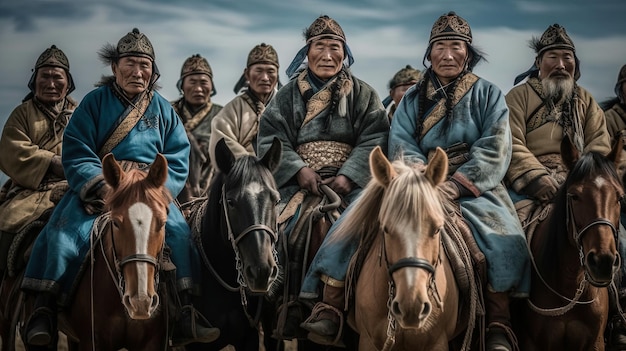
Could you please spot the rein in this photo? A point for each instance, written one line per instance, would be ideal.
(406, 262)
(577, 236)
(238, 263)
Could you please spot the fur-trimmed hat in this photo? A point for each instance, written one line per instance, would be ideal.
(450, 27)
(195, 64)
(263, 53)
(324, 27)
(555, 37)
(52, 57)
(134, 43)
(405, 76)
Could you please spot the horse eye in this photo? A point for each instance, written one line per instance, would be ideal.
(573, 196)
(116, 223)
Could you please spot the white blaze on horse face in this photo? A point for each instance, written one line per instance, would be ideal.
(254, 189)
(140, 216)
(599, 182)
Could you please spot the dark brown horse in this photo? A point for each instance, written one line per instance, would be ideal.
(117, 304)
(574, 257)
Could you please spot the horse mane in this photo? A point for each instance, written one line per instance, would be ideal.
(133, 186)
(245, 170)
(590, 165)
(408, 198)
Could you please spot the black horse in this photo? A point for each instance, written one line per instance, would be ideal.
(235, 229)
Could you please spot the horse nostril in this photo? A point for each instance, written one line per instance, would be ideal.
(395, 309)
(274, 273)
(127, 300)
(426, 307)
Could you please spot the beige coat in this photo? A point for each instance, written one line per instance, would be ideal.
(28, 144)
(534, 137)
(615, 119)
(237, 123)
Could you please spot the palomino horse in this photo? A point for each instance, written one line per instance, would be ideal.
(406, 296)
(117, 303)
(575, 258)
(237, 228)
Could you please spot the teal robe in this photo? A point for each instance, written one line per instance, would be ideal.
(60, 249)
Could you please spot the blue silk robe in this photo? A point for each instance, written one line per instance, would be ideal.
(61, 247)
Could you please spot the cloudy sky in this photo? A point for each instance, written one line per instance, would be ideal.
(384, 35)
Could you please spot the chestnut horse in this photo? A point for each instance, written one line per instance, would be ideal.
(235, 229)
(406, 295)
(117, 304)
(574, 257)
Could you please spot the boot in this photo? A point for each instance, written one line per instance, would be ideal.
(500, 336)
(617, 326)
(41, 327)
(325, 325)
(192, 326)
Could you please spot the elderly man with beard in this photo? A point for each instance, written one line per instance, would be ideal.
(548, 106)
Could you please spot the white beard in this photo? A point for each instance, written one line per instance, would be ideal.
(556, 88)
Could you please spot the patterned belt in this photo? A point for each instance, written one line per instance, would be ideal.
(319, 154)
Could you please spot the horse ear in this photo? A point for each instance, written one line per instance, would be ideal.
(158, 170)
(616, 151)
(272, 157)
(224, 158)
(437, 169)
(111, 170)
(381, 168)
(569, 152)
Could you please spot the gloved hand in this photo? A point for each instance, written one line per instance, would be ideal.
(309, 180)
(450, 190)
(56, 167)
(340, 184)
(96, 205)
(542, 189)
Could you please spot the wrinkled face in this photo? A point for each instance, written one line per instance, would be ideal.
(448, 59)
(51, 84)
(197, 89)
(132, 74)
(398, 92)
(325, 57)
(262, 78)
(557, 64)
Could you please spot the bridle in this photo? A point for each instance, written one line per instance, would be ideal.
(118, 277)
(406, 262)
(577, 237)
(234, 240)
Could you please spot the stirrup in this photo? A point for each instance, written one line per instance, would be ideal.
(315, 317)
(46, 333)
(506, 332)
(214, 333)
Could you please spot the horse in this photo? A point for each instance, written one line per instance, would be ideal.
(235, 229)
(406, 296)
(117, 303)
(573, 251)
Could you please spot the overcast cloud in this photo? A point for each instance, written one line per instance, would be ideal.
(384, 36)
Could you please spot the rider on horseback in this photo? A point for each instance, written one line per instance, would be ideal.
(547, 106)
(31, 157)
(328, 121)
(452, 108)
(127, 117)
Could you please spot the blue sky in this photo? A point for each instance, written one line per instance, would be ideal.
(384, 36)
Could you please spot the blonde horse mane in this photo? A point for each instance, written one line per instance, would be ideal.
(409, 198)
